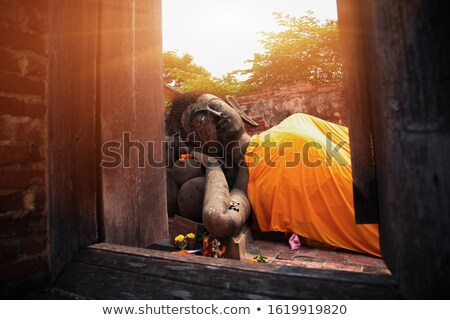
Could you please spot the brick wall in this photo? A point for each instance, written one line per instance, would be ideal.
(23, 146)
(277, 103)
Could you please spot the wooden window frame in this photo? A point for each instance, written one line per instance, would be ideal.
(77, 110)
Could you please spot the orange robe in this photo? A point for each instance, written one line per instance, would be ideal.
(301, 182)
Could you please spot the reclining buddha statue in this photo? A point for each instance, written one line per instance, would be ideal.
(295, 177)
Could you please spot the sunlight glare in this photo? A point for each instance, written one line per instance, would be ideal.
(221, 35)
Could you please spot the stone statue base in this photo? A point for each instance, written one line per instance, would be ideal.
(238, 247)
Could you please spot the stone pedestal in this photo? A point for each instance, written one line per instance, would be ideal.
(238, 247)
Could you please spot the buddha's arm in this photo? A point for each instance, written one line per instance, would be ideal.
(224, 212)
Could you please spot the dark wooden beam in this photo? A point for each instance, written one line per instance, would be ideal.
(354, 33)
(132, 114)
(72, 142)
(409, 62)
(106, 271)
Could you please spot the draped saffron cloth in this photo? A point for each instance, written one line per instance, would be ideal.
(300, 181)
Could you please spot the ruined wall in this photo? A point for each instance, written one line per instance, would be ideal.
(23, 145)
(277, 103)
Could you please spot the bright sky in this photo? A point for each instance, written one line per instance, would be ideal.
(222, 34)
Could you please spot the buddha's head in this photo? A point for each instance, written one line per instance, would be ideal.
(208, 121)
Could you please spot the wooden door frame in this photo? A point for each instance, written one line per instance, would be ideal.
(77, 197)
(72, 92)
(397, 80)
(78, 94)
(83, 199)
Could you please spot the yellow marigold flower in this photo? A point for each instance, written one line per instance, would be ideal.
(252, 260)
(185, 156)
(190, 236)
(179, 238)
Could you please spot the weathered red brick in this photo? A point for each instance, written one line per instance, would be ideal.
(30, 132)
(12, 83)
(32, 222)
(11, 12)
(309, 259)
(9, 252)
(14, 154)
(37, 21)
(332, 265)
(11, 202)
(304, 264)
(286, 256)
(377, 270)
(41, 5)
(18, 40)
(328, 254)
(16, 12)
(271, 254)
(22, 63)
(35, 67)
(270, 246)
(275, 103)
(23, 268)
(39, 200)
(34, 245)
(25, 130)
(7, 129)
(35, 153)
(15, 107)
(8, 61)
(307, 252)
(353, 268)
(362, 260)
(333, 255)
(34, 199)
(11, 180)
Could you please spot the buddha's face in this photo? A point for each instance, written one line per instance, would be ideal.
(214, 123)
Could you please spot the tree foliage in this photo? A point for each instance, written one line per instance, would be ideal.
(181, 73)
(306, 50)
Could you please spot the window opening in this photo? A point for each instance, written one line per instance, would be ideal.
(314, 87)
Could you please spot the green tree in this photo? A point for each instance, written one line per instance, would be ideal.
(306, 50)
(181, 73)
